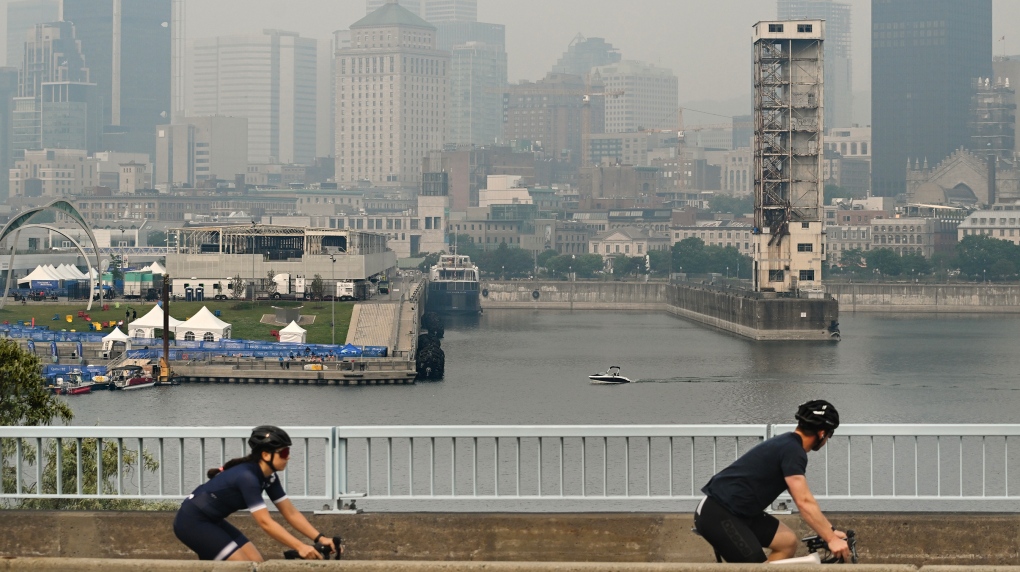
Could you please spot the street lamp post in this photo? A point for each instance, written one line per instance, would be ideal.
(332, 323)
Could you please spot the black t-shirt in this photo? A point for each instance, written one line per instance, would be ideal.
(239, 487)
(752, 482)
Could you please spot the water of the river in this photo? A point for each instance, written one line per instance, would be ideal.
(531, 367)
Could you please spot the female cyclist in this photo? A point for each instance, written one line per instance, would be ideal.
(201, 521)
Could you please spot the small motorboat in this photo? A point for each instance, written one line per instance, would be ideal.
(610, 376)
(130, 377)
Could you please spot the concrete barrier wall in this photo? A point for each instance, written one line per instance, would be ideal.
(950, 298)
(884, 539)
(730, 310)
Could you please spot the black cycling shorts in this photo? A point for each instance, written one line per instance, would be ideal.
(735, 538)
(210, 539)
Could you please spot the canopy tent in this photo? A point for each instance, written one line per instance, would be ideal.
(155, 268)
(203, 326)
(146, 326)
(116, 336)
(293, 333)
(40, 273)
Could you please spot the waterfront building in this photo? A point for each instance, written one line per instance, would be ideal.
(53, 173)
(721, 233)
(103, 208)
(271, 80)
(914, 235)
(839, 85)
(392, 98)
(648, 97)
(22, 16)
(924, 53)
(847, 214)
(127, 46)
(1001, 222)
(583, 54)
(839, 239)
(628, 241)
(197, 149)
(788, 185)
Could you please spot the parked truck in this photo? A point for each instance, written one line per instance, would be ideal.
(351, 290)
(289, 287)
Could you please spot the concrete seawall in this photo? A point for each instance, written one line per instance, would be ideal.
(884, 539)
(743, 313)
(928, 298)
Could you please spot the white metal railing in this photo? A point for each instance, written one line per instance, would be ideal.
(553, 468)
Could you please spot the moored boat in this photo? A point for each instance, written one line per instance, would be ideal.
(130, 377)
(453, 285)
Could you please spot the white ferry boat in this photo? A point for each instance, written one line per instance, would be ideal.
(453, 285)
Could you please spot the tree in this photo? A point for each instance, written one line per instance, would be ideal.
(660, 261)
(156, 238)
(689, 256)
(24, 398)
(981, 256)
(885, 261)
(237, 287)
(270, 283)
(736, 205)
(627, 265)
(116, 267)
(545, 256)
(317, 288)
(431, 259)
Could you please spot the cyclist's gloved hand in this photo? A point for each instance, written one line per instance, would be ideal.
(839, 547)
(329, 542)
(308, 552)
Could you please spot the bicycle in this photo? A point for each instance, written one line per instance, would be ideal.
(323, 549)
(814, 544)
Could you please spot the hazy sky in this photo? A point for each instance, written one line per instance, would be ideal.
(707, 43)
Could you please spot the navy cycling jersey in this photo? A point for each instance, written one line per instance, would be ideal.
(239, 487)
(752, 482)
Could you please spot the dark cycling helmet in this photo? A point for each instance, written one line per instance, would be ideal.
(818, 414)
(268, 438)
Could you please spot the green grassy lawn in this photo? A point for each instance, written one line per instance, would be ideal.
(241, 315)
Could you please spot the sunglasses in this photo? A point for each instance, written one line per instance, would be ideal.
(284, 453)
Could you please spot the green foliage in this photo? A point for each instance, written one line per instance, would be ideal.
(660, 261)
(237, 287)
(627, 265)
(981, 256)
(505, 262)
(431, 259)
(545, 256)
(130, 462)
(24, 398)
(583, 265)
(317, 288)
(737, 205)
(116, 267)
(464, 244)
(270, 283)
(691, 256)
(887, 263)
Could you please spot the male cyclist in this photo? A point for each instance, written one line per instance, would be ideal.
(731, 517)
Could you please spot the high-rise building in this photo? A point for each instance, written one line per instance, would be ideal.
(127, 46)
(548, 115)
(392, 98)
(437, 11)
(268, 78)
(648, 96)
(8, 91)
(925, 54)
(57, 106)
(22, 16)
(839, 83)
(196, 149)
(583, 54)
(478, 74)
(789, 90)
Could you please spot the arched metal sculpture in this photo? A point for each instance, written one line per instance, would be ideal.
(23, 221)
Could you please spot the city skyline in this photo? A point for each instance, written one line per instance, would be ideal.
(538, 33)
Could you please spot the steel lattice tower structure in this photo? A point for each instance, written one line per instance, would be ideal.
(788, 124)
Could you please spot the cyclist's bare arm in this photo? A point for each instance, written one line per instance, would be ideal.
(281, 535)
(301, 524)
(812, 514)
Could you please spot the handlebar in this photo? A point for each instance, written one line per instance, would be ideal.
(815, 543)
(323, 549)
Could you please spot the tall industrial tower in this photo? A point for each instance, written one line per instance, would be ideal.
(788, 125)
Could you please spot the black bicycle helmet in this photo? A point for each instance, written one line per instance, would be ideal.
(818, 414)
(268, 438)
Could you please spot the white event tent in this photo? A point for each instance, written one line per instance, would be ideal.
(203, 326)
(114, 337)
(155, 268)
(146, 326)
(293, 333)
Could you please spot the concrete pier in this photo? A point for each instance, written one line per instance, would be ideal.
(753, 315)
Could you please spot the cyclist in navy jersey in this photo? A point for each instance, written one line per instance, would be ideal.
(238, 485)
(731, 517)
